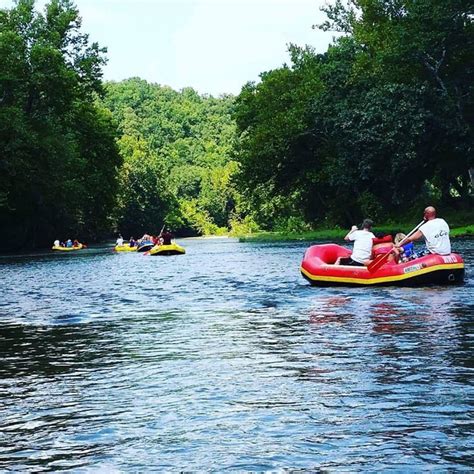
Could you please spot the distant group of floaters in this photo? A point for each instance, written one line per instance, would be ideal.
(164, 238)
(68, 245)
(151, 244)
(146, 242)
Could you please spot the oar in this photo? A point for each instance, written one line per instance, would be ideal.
(380, 260)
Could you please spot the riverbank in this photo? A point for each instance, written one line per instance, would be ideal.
(338, 234)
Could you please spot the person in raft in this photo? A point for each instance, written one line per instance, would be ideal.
(166, 237)
(145, 239)
(362, 245)
(406, 252)
(119, 241)
(436, 233)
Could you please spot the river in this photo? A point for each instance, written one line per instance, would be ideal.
(226, 359)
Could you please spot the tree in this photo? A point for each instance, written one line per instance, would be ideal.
(185, 140)
(383, 118)
(426, 45)
(56, 145)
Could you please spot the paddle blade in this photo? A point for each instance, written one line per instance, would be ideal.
(378, 262)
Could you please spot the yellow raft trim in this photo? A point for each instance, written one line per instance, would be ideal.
(125, 248)
(66, 249)
(157, 249)
(373, 281)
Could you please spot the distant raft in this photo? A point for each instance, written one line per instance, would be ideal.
(67, 249)
(172, 249)
(125, 248)
(145, 246)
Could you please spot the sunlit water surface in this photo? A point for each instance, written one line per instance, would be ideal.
(226, 359)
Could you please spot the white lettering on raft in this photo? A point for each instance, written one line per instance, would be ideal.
(413, 268)
(450, 259)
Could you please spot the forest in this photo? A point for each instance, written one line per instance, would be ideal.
(379, 125)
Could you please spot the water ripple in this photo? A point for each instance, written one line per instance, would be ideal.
(225, 359)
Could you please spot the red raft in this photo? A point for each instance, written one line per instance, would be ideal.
(319, 269)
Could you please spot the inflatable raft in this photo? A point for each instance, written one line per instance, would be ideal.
(125, 248)
(319, 269)
(66, 249)
(172, 249)
(145, 246)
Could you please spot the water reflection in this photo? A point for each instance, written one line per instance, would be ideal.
(226, 358)
(330, 309)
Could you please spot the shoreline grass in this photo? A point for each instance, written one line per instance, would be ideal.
(338, 234)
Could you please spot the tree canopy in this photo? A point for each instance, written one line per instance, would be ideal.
(382, 119)
(177, 149)
(377, 125)
(58, 156)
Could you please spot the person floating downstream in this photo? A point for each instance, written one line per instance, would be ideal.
(166, 236)
(362, 250)
(406, 252)
(436, 233)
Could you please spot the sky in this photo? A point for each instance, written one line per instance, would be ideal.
(214, 46)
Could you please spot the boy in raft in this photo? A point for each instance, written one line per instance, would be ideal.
(362, 250)
(402, 253)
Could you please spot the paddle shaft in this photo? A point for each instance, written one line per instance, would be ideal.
(411, 233)
(376, 264)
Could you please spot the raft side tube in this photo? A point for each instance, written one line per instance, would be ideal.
(172, 249)
(429, 269)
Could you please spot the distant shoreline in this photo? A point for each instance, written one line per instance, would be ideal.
(338, 234)
(226, 236)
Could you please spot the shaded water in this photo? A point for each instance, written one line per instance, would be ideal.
(225, 358)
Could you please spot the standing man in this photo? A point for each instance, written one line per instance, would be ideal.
(435, 231)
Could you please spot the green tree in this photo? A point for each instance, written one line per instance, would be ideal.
(55, 143)
(186, 140)
(382, 119)
(428, 46)
(144, 199)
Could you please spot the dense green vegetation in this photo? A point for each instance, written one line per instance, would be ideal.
(337, 234)
(380, 125)
(176, 148)
(58, 155)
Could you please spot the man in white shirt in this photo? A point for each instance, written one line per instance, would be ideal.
(435, 231)
(119, 241)
(363, 242)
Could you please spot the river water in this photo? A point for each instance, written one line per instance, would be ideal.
(226, 359)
